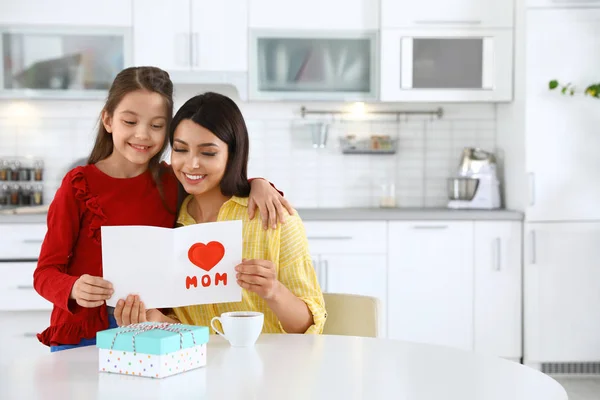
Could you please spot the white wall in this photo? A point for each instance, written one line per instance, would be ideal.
(281, 147)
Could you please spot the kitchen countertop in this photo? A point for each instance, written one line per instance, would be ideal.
(353, 214)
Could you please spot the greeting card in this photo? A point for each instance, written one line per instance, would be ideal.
(193, 264)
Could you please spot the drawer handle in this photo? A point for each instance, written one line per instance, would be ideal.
(30, 334)
(433, 227)
(449, 22)
(32, 241)
(25, 287)
(329, 237)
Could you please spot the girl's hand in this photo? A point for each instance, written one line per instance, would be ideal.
(130, 311)
(258, 276)
(269, 201)
(91, 291)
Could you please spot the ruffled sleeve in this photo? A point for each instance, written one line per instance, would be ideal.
(90, 201)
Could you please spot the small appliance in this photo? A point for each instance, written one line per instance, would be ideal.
(476, 185)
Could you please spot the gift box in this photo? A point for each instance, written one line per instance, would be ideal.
(155, 350)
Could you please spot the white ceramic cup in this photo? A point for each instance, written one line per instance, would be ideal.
(240, 328)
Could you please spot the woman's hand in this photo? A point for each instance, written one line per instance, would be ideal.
(91, 291)
(269, 201)
(130, 311)
(258, 276)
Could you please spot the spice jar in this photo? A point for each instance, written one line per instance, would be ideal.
(37, 197)
(14, 195)
(14, 171)
(38, 170)
(4, 195)
(4, 170)
(24, 173)
(26, 196)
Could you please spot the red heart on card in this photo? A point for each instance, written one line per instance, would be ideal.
(206, 256)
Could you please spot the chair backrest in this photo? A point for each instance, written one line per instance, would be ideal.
(352, 315)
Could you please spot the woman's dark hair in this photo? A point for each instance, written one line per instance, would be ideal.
(129, 80)
(220, 115)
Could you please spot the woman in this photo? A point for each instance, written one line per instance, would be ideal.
(209, 141)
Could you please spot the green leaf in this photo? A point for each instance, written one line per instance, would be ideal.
(563, 90)
(553, 84)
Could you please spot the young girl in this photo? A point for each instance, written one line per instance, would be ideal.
(124, 183)
(209, 157)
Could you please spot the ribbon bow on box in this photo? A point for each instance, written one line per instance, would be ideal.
(145, 327)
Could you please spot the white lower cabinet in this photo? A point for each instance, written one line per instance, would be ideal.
(457, 284)
(18, 330)
(562, 292)
(498, 287)
(430, 282)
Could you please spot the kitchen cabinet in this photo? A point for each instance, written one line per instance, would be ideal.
(18, 338)
(447, 13)
(83, 13)
(450, 65)
(289, 65)
(562, 3)
(197, 41)
(497, 284)
(317, 15)
(561, 132)
(61, 62)
(562, 299)
(430, 282)
(351, 258)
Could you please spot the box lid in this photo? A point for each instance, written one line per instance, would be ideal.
(152, 337)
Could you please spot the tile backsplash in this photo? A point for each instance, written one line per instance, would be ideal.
(281, 148)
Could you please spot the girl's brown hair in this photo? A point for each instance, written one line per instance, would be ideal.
(129, 80)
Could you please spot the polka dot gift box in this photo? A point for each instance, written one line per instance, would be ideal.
(151, 349)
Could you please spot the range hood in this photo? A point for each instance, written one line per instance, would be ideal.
(235, 79)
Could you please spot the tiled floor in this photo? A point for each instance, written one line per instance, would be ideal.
(583, 388)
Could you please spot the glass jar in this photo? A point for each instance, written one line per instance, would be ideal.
(26, 196)
(24, 173)
(4, 195)
(14, 171)
(388, 195)
(4, 170)
(37, 197)
(38, 170)
(14, 195)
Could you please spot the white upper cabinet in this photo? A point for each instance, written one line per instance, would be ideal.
(562, 3)
(109, 13)
(161, 36)
(315, 14)
(191, 35)
(561, 131)
(447, 13)
(220, 33)
(446, 65)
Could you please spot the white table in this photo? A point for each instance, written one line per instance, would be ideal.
(291, 367)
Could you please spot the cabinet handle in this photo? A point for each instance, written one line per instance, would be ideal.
(25, 287)
(498, 255)
(329, 238)
(449, 22)
(432, 227)
(32, 241)
(531, 188)
(325, 278)
(533, 248)
(195, 49)
(30, 334)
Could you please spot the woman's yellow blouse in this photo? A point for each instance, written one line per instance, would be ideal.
(286, 247)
